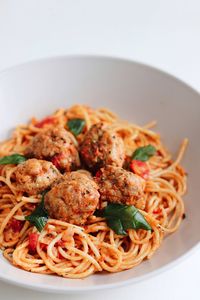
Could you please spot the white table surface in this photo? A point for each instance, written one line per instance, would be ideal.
(165, 34)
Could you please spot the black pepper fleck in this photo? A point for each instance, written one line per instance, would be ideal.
(183, 216)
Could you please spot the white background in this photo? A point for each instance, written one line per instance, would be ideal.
(165, 34)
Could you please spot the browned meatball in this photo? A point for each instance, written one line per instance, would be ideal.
(73, 199)
(58, 146)
(101, 147)
(120, 186)
(33, 176)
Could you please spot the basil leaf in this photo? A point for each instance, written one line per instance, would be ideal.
(121, 217)
(116, 225)
(76, 126)
(38, 222)
(12, 159)
(39, 216)
(144, 153)
(98, 213)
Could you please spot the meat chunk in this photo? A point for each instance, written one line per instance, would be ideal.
(73, 199)
(58, 146)
(117, 185)
(101, 146)
(33, 176)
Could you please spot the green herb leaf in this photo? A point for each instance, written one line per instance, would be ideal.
(116, 225)
(121, 217)
(76, 126)
(12, 159)
(144, 153)
(39, 216)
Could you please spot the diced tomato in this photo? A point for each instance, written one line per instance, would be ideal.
(43, 246)
(33, 239)
(98, 174)
(140, 168)
(56, 160)
(60, 255)
(157, 211)
(16, 225)
(47, 120)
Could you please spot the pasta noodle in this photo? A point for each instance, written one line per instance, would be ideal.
(78, 251)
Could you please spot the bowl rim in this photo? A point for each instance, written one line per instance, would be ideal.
(72, 290)
(114, 58)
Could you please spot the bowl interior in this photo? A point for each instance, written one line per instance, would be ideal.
(137, 93)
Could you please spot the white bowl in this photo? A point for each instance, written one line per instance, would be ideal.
(136, 92)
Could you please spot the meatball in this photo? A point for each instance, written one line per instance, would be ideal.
(73, 199)
(117, 185)
(101, 146)
(58, 146)
(33, 176)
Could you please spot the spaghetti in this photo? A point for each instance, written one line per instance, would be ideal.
(78, 251)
